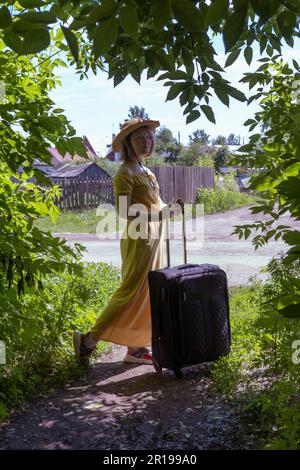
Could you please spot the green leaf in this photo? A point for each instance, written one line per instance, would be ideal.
(12, 40)
(184, 97)
(119, 76)
(150, 58)
(39, 17)
(261, 183)
(135, 73)
(292, 170)
(5, 18)
(105, 36)
(72, 42)
(265, 8)
(247, 233)
(289, 305)
(176, 75)
(249, 122)
(31, 3)
(165, 60)
(235, 26)
(274, 148)
(290, 187)
(222, 95)
(104, 11)
(173, 92)
(290, 311)
(192, 116)
(208, 113)
(217, 11)
(188, 15)
(296, 65)
(235, 93)
(232, 57)
(161, 12)
(188, 60)
(292, 237)
(248, 54)
(129, 21)
(35, 41)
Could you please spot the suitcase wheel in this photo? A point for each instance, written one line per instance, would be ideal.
(157, 367)
(178, 372)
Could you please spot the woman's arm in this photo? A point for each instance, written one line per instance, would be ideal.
(163, 214)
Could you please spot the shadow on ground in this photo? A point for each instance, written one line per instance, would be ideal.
(121, 406)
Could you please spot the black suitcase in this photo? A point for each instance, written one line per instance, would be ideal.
(189, 313)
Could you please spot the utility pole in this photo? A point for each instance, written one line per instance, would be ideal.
(179, 137)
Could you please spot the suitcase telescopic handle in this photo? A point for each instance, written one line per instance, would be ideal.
(189, 265)
(168, 240)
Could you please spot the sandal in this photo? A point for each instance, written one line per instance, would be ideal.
(140, 356)
(82, 353)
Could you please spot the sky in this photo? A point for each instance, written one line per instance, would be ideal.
(95, 108)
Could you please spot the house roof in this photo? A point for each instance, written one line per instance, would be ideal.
(89, 146)
(70, 170)
(110, 151)
(244, 182)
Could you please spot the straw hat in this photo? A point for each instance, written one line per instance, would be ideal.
(129, 126)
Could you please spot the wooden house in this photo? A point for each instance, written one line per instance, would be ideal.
(82, 171)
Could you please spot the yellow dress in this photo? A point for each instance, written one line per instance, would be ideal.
(126, 320)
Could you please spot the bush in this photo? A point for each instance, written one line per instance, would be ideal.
(39, 337)
(222, 198)
(260, 371)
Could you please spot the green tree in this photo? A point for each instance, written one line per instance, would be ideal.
(276, 167)
(29, 123)
(110, 167)
(135, 111)
(166, 145)
(156, 160)
(197, 154)
(233, 139)
(199, 136)
(170, 38)
(220, 157)
(219, 140)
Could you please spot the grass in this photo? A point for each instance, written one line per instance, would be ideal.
(91, 221)
(259, 372)
(88, 221)
(84, 222)
(39, 350)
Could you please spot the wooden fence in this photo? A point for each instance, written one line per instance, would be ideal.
(174, 182)
(84, 194)
(182, 181)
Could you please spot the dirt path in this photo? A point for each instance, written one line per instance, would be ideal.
(117, 406)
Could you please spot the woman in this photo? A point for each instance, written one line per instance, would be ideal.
(127, 318)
